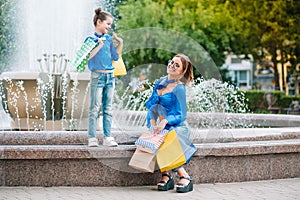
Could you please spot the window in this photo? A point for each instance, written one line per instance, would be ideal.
(243, 76)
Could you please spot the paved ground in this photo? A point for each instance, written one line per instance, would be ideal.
(281, 189)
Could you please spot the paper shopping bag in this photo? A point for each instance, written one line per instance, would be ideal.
(149, 142)
(120, 69)
(170, 154)
(81, 58)
(187, 146)
(143, 161)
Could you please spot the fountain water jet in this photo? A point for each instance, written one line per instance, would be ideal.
(49, 82)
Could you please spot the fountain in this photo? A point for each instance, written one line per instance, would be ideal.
(44, 146)
(48, 85)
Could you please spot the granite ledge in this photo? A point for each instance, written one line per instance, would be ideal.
(249, 148)
(129, 137)
(126, 151)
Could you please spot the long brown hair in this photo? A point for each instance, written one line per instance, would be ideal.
(101, 14)
(188, 74)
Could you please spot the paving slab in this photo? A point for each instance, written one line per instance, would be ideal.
(279, 189)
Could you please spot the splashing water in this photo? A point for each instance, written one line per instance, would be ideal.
(214, 96)
(211, 99)
(50, 27)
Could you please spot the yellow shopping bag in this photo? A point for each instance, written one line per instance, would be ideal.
(170, 155)
(120, 69)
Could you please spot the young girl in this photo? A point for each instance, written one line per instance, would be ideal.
(102, 82)
(167, 106)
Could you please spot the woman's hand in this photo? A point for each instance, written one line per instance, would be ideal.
(161, 126)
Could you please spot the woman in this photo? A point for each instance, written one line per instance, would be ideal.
(167, 110)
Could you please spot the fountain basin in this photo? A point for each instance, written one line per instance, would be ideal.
(62, 158)
(61, 105)
(50, 159)
(198, 136)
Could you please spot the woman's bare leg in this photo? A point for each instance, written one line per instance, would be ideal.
(164, 178)
(181, 172)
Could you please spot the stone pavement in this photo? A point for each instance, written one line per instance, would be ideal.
(281, 189)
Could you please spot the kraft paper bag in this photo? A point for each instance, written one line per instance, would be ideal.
(143, 161)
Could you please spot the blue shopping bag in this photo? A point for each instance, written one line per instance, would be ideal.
(187, 146)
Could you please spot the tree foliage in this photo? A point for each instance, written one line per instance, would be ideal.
(203, 21)
(259, 28)
(266, 28)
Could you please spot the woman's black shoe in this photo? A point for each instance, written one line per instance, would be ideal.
(165, 186)
(182, 188)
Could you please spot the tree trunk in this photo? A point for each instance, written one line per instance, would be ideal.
(282, 61)
(276, 75)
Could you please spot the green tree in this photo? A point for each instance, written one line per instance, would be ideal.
(265, 28)
(259, 28)
(204, 21)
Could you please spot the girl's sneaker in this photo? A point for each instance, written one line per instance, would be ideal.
(110, 142)
(93, 142)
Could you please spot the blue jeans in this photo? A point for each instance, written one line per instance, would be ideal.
(102, 87)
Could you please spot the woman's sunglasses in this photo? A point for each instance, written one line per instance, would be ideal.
(173, 63)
